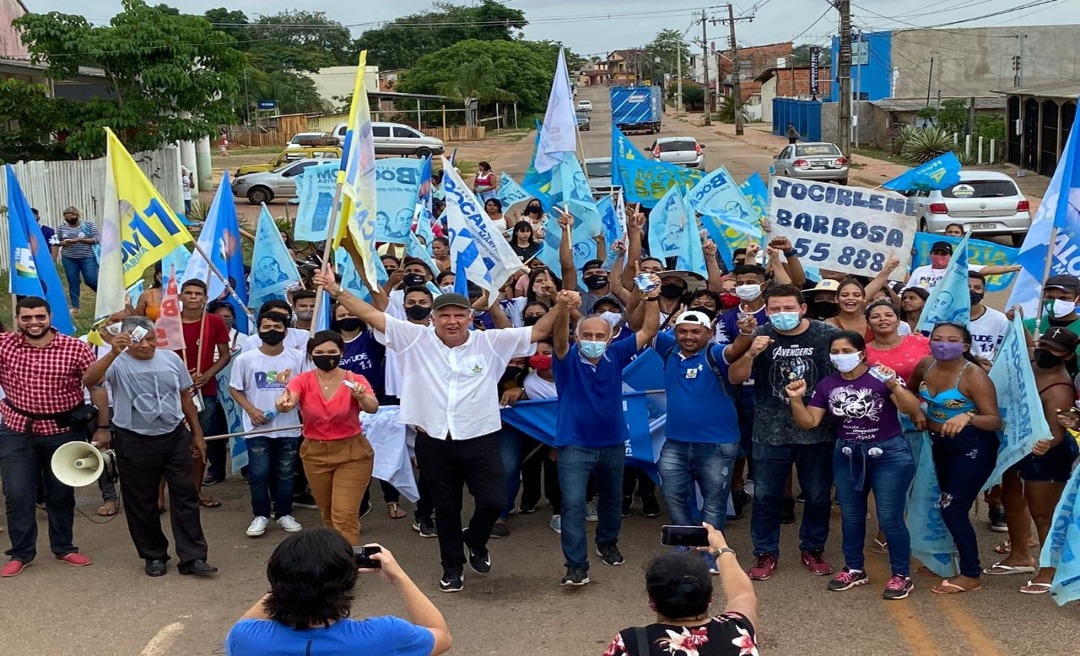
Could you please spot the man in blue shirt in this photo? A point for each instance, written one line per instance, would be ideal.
(591, 428)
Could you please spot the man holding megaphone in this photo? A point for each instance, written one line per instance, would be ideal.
(152, 402)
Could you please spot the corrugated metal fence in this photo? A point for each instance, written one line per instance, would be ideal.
(53, 186)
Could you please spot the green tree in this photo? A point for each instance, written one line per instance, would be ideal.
(800, 55)
(158, 67)
(667, 46)
(37, 124)
(300, 41)
(235, 23)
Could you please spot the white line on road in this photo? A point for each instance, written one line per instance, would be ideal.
(159, 645)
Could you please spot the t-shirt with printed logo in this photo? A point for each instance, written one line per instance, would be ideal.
(263, 379)
(862, 407)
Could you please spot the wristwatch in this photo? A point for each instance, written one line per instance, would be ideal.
(721, 551)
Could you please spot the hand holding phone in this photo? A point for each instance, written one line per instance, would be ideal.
(364, 559)
(684, 536)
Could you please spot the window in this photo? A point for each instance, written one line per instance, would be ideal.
(380, 130)
(598, 169)
(405, 133)
(675, 145)
(981, 189)
(297, 170)
(824, 150)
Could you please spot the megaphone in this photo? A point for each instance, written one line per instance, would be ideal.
(81, 463)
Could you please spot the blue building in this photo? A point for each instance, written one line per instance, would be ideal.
(871, 66)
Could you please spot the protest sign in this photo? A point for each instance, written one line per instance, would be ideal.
(315, 189)
(397, 185)
(845, 229)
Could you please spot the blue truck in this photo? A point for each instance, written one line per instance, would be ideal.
(637, 108)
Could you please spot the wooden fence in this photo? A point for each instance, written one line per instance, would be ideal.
(457, 133)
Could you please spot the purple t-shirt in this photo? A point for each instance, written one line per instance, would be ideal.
(863, 408)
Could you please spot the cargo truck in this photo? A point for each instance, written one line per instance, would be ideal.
(637, 108)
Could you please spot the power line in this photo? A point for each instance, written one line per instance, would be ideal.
(823, 15)
(1021, 7)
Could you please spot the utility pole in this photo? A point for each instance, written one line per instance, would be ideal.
(930, 78)
(733, 46)
(844, 77)
(678, 77)
(705, 65)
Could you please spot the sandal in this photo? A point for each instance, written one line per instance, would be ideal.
(947, 587)
(1035, 588)
(109, 508)
(1001, 569)
(1005, 548)
(879, 547)
(395, 511)
(209, 502)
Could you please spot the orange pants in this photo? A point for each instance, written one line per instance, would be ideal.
(338, 472)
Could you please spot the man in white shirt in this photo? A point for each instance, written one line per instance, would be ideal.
(987, 325)
(449, 394)
(295, 338)
(928, 276)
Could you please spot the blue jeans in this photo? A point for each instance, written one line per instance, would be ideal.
(964, 463)
(271, 464)
(772, 464)
(709, 465)
(575, 465)
(73, 267)
(889, 475)
(24, 462)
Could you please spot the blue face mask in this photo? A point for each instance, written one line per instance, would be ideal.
(592, 350)
(785, 320)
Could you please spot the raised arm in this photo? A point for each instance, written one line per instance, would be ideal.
(651, 322)
(738, 590)
(712, 266)
(881, 280)
(560, 322)
(367, 313)
(566, 252)
(634, 226)
(740, 369)
(807, 418)
(793, 267)
(95, 374)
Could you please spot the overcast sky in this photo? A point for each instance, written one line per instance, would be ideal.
(586, 30)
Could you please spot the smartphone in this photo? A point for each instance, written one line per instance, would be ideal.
(363, 558)
(684, 536)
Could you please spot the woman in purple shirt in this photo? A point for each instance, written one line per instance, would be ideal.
(871, 454)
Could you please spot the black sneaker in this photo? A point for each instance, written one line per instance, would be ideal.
(500, 530)
(304, 500)
(997, 520)
(576, 576)
(425, 527)
(650, 506)
(610, 554)
(740, 499)
(452, 581)
(627, 504)
(787, 510)
(479, 559)
(366, 509)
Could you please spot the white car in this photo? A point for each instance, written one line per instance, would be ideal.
(398, 140)
(986, 203)
(308, 139)
(584, 105)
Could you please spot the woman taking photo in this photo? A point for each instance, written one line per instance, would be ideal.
(893, 344)
(534, 214)
(337, 457)
(522, 241)
(911, 306)
(961, 416)
(485, 184)
(871, 454)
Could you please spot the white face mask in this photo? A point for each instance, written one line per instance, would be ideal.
(1060, 308)
(845, 362)
(748, 292)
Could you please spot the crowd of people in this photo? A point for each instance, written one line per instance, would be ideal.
(828, 383)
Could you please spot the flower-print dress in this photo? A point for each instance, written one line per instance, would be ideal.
(729, 634)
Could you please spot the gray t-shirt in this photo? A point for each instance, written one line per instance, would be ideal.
(790, 357)
(146, 393)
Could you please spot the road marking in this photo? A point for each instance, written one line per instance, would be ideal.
(963, 619)
(912, 628)
(159, 644)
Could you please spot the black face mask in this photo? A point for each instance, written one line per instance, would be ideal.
(413, 280)
(349, 324)
(272, 337)
(825, 309)
(595, 282)
(326, 362)
(671, 291)
(1044, 359)
(704, 310)
(72, 221)
(417, 312)
(977, 297)
(530, 321)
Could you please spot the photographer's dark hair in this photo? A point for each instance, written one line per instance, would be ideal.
(679, 585)
(311, 576)
(324, 336)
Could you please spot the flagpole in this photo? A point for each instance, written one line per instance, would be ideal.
(331, 232)
(212, 268)
(1045, 276)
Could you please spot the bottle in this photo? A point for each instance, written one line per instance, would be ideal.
(270, 414)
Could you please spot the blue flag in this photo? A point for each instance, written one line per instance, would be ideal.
(272, 268)
(1062, 547)
(668, 223)
(950, 299)
(986, 253)
(510, 192)
(931, 541)
(315, 189)
(32, 271)
(757, 193)
(570, 190)
(535, 182)
(939, 173)
(644, 180)
(398, 182)
(692, 257)
(414, 248)
(609, 217)
(233, 419)
(719, 198)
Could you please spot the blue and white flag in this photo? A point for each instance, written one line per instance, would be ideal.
(668, 224)
(583, 248)
(558, 137)
(931, 541)
(398, 181)
(510, 192)
(234, 420)
(692, 257)
(950, 300)
(536, 182)
(1062, 548)
(570, 190)
(757, 192)
(315, 189)
(719, 198)
(610, 220)
(1060, 208)
(1024, 422)
(413, 248)
(32, 271)
(272, 268)
(642, 179)
(939, 173)
(176, 260)
(986, 253)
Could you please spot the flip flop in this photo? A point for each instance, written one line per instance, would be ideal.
(1035, 588)
(1005, 548)
(879, 547)
(1001, 569)
(108, 509)
(395, 511)
(209, 502)
(948, 588)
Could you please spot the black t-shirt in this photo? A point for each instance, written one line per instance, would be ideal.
(730, 634)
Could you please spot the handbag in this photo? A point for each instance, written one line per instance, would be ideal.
(82, 418)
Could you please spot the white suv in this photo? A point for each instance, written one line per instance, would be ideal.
(986, 203)
(398, 139)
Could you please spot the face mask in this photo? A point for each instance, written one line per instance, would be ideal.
(350, 324)
(1044, 359)
(612, 318)
(272, 337)
(748, 292)
(946, 351)
(413, 280)
(704, 310)
(447, 289)
(671, 291)
(417, 312)
(326, 362)
(540, 362)
(825, 309)
(785, 320)
(845, 362)
(229, 321)
(592, 350)
(728, 300)
(939, 261)
(976, 297)
(595, 282)
(305, 315)
(530, 321)
(72, 221)
(1059, 308)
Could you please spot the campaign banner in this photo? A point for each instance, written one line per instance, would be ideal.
(315, 189)
(397, 187)
(950, 300)
(1022, 416)
(510, 192)
(985, 253)
(931, 541)
(645, 180)
(234, 418)
(1062, 546)
(846, 229)
(721, 201)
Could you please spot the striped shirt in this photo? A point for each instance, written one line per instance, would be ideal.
(46, 380)
(83, 230)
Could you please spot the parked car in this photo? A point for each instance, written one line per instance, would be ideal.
(598, 172)
(398, 140)
(583, 123)
(310, 140)
(280, 183)
(291, 155)
(986, 203)
(684, 151)
(820, 161)
(584, 105)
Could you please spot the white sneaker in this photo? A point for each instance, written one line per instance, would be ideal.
(590, 512)
(258, 527)
(289, 524)
(556, 523)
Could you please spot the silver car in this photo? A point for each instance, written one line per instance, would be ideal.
(684, 151)
(598, 171)
(265, 186)
(820, 161)
(986, 203)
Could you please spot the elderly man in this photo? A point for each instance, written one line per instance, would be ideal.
(449, 395)
(152, 400)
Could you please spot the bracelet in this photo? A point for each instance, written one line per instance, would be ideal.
(790, 253)
(749, 334)
(723, 550)
(654, 299)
